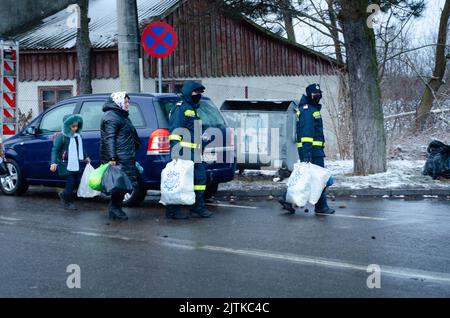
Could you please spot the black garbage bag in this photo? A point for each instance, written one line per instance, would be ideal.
(438, 162)
(116, 181)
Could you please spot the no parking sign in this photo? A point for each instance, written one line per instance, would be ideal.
(159, 39)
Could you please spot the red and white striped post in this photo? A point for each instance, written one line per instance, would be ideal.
(9, 71)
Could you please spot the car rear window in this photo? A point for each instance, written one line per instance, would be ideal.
(208, 112)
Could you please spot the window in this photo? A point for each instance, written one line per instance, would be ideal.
(52, 121)
(92, 113)
(170, 86)
(208, 112)
(49, 96)
(210, 115)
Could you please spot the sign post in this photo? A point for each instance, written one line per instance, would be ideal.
(159, 40)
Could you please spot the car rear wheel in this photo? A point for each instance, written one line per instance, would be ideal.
(14, 183)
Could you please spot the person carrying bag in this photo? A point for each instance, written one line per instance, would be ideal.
(119, 145)
(67, 155)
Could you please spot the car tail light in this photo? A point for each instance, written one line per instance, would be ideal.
(159, 144)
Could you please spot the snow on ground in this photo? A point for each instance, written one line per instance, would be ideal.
(400, 174)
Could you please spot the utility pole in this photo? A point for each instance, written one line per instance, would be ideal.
(84, 48)
(128, 45)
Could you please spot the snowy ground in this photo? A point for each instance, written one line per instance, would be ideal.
(400, 174)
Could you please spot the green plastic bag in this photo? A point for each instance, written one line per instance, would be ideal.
(95, 178)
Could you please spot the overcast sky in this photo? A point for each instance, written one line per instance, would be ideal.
(420, 28)
(429, 23)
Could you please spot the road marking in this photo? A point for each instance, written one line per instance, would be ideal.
(232, 206)
(7, 223)
(4, 218)
(102, 235)
(319, 214)
(354, 216)
(398, 272)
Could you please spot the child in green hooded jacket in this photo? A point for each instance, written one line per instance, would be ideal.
(67, 155)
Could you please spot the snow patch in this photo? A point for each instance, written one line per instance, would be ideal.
(401, 174)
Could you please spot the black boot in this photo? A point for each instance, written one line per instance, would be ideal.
(202, 213)
(116, 212)
(326, 210)
(286, 205)
(67, 201)
(199, 209)
(174, 212)
(179, 215)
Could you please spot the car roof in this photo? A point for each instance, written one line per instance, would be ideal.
(106, 95)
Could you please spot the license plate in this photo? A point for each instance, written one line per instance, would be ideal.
(210, 157)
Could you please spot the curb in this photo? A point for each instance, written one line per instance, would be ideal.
(343, 192)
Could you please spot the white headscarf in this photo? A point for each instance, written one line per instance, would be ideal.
(119, 99)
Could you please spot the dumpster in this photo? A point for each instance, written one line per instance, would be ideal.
(264, 131)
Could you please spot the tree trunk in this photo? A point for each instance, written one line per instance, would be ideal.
(436, 80)
(289, 25)
(84, 49)
(286, 10)
(334, 31)
(369, 140)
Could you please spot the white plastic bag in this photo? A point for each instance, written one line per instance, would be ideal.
(84, 191)
(299, 184)
(319, 179)
(177, 183)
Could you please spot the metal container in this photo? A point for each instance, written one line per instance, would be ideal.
(265, 132)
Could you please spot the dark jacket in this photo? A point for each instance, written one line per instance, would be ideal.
(119, 139)
(61, 143)
(182, 121)
(310, 137)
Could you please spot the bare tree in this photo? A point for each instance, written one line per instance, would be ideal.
(436, 81)
(344, 22)
(278, 13)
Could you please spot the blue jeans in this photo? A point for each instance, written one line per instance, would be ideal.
(72, 183)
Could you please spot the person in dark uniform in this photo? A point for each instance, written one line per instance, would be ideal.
(310, 140)
(186, 143)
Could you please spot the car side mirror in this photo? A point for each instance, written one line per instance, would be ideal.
(31, 130)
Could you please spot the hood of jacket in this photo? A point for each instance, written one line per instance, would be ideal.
(68, 121)
(188, 88)
(111, 105)
(306, 100)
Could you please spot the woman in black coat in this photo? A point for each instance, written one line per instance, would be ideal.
(119, 145)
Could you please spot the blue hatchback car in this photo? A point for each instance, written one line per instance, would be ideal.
(29, 151)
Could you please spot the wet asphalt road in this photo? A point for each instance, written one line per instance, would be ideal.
(248, 249)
